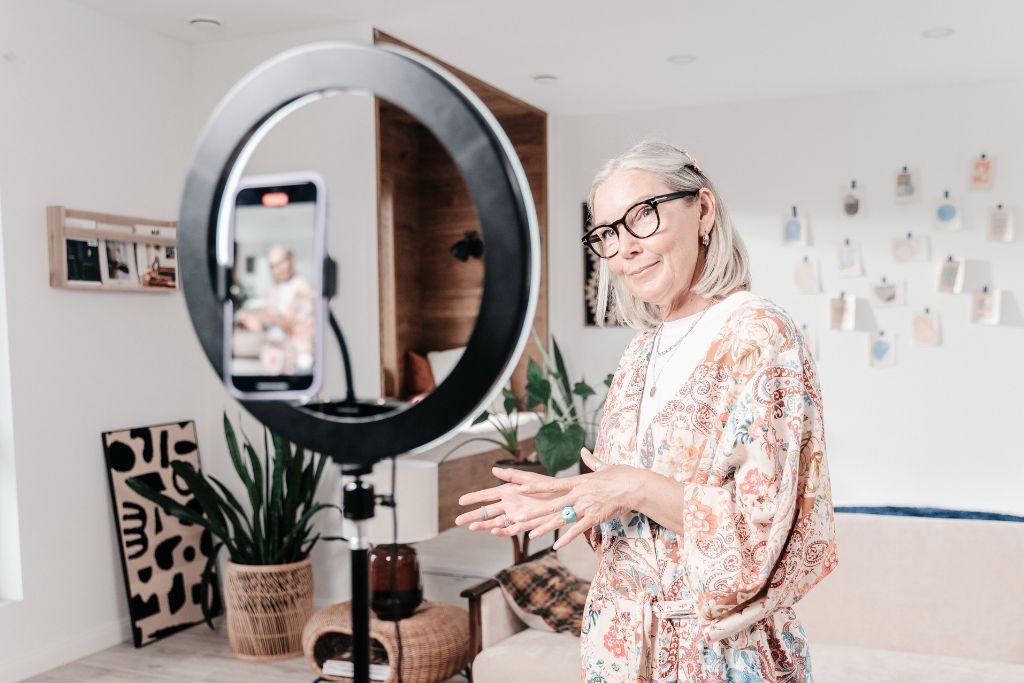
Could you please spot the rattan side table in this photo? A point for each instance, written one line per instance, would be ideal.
(435, 641)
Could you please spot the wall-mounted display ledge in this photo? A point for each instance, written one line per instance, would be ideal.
(110, 252)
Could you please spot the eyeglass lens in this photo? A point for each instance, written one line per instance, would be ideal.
(641, 221)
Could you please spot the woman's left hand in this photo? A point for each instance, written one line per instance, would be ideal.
(603, 494)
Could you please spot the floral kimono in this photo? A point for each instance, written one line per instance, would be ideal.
(744, 436)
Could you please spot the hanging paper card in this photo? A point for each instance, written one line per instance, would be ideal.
(910, 248)
(981, 173)
(926, 328)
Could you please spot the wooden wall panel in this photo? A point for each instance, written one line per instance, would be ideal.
(398, 241)
(443, 293)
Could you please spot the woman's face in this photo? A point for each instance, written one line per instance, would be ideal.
(658, 269)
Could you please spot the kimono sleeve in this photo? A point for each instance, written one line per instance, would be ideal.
(758, 531)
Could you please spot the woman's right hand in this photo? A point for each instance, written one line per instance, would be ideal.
(500, 501)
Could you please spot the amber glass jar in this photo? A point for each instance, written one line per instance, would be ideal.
(398, 601)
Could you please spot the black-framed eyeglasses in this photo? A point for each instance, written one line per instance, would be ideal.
(640, 220)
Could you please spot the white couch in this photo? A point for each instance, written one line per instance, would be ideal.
(913, 599)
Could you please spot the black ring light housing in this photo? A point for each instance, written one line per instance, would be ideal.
(495, 178)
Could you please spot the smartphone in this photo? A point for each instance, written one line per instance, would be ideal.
(275, 310)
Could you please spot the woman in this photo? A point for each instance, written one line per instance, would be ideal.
(709, 501)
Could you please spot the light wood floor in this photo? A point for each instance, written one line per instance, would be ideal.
(197, 654)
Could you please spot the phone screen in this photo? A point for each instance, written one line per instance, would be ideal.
(276, 299)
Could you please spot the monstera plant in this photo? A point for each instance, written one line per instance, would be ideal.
(568, 425)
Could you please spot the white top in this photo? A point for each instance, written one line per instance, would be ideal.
(675, 367)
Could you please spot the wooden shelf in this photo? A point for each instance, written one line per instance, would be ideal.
(87, 234)
(135, 231)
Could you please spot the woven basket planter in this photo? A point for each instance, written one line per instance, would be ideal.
(267, 607)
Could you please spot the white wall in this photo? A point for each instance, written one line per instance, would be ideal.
(931, 431)
(99, 115)
(91, 119)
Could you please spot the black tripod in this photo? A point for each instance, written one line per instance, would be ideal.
(358, 504)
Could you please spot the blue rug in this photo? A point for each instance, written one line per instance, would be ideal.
(928, 512)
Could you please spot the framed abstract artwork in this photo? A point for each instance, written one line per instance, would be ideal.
(162, 557)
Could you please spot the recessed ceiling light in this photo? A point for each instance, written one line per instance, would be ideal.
(544, 79)
(682, 59)
(938, 32)
(205, 23)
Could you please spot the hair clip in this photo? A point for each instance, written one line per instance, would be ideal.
(693, 162)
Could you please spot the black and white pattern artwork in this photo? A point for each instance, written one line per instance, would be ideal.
(162, 557)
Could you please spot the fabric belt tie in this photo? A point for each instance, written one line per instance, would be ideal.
(654, 614)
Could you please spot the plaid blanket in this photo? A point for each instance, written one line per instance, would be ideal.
(544, 587)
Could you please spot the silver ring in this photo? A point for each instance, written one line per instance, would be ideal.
(508, 522)
(483, 509)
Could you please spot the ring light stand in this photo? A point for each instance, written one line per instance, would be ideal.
(357, 435)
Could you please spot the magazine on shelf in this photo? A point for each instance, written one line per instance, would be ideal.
(118, 264)
(157, 265)
(83, 262)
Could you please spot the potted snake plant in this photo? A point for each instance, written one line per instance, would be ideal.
(269, 576)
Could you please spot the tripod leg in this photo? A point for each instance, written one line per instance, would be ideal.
(358, 503)
(361, 614)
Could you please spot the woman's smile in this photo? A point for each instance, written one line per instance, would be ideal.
(643, 270)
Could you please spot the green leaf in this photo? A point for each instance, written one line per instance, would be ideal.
(256, 489)
(534, 372)
(482, 417)
(309, 546)
(256, 499)
(511, 442)
(563, 379)
(241, 531)
(583, 389)
(511, 401)
(236, 458)
(538, 388)
(209, 500)
(268, 536)
(608, 380)
(300, 525)
(209, 586)
(275, 505)
(171, 507)
(319, 474)
(295, 495)
(229, 497)
(558, 449)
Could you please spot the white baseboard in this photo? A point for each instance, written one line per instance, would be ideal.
(54, 654)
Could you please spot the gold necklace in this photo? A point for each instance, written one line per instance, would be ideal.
(657, 339)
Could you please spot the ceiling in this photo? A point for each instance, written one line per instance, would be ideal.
(612, 56)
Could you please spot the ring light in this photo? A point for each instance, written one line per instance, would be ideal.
(495, 179)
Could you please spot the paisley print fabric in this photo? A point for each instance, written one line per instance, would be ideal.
(744, 435)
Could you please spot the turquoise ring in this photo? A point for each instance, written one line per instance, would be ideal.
(568, 514)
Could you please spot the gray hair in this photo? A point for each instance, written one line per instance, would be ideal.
(726, 266)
